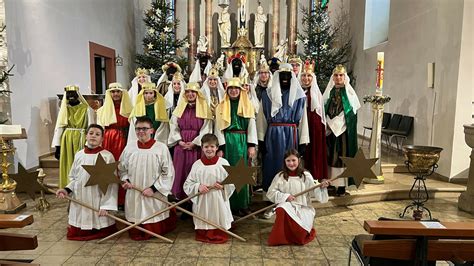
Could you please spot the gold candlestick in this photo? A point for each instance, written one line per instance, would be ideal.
(9, 202)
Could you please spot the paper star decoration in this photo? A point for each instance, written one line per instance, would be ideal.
(305, 41)
(102, 174)
(297, 41)
(27, 182)
(150, 46)
(240, 175)
(358, 167)
(324, 46)
(152, 70)
(166, 29)
(186, 45)
(151, 30)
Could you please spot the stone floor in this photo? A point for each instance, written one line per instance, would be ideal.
(335, 227)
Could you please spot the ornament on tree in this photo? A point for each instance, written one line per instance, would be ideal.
(297, 41)
(151, 31)
(187, 45)
(152, 70)
(150, 46)
(305, 41)
(324, 46)
(166, 29)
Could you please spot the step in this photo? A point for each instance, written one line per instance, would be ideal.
(48, 162)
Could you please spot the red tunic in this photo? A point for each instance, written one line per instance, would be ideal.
(76, 233)
(315, 156)
(115, 139)
(285, 231)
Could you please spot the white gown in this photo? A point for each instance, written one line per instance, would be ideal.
(213, 205)
(300, 210)
(144, 168)
(83, 217)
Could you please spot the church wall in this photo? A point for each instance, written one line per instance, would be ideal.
(420, 32)
(48, 43)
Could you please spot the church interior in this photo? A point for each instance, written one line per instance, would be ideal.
(408, 81)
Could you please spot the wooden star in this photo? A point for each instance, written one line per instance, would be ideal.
(240, 175)
(358, 167)
(27, 182)
(102, 174)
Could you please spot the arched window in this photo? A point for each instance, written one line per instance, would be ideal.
(377, 13)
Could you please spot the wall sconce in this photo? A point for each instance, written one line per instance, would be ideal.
(118, 60)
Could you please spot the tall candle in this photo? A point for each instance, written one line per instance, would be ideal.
(380, 66)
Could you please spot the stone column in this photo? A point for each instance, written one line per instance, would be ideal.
(466, 200)
(191, 31)
(208, 32)
(293, 26)
(275, 25)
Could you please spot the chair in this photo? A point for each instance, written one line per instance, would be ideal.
(404, 129)
(392, 125)
(385, 121)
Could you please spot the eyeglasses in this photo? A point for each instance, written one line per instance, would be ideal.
(142, 129)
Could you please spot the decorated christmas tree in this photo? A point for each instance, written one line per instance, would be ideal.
(325, 43)
(160, 44)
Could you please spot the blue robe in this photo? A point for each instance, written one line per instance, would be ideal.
(279, 138)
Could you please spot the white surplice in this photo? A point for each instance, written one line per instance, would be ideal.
(300, 209)
(213, 205)
(83, 217)
(144, 168)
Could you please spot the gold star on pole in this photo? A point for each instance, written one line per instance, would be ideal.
(27, 182)
(240, 175)
(358, 167)
(102, 174)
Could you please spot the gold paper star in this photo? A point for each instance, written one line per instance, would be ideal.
(324, 46)
(297, 41)
(358, 167)
(152, 70)
(151, 31)
(240, 175)
(150, 46)
(101, 174)
(166, 29)
(26, 182)
(305, 41)
(187, 45)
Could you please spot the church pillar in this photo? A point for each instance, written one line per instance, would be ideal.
(210, 47)
(191, 31)
(466, 200)
(293, 26)
(275, 25)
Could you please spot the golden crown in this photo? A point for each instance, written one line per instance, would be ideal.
(295, 60)
(264, 67)
(141, 71)
(115, 86)
(234, 82)
(178, 76)
(71, 88)
(308, 67)
(213, 72)
(192, 86)
(148, 86)
(339, 69)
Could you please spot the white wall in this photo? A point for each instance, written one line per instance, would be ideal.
(420, 32)
(49, 44)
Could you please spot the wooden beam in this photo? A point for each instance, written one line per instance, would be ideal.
(15, 220)
(11, 241)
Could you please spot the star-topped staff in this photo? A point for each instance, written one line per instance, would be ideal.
(27, 182)
(101, 174)
(240, 175)
(357, 167)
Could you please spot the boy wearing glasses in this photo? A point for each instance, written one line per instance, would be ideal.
(146, 164)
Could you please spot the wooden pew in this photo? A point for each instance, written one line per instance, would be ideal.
(11, 241)
(15, 220)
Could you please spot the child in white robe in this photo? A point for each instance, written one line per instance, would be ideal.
(294, 215)
(205, 177)
(84, 223)
(147, 164)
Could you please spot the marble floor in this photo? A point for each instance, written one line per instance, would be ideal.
(336, 226)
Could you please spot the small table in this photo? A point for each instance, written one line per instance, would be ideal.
(416, 229)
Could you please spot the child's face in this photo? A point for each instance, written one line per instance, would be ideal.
(143, 131)
(149, 96)
(94, 137)
(176, 86)
(209, 149)
(190, 96)
(292, 162)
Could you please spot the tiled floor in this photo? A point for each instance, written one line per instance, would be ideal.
(335, 227)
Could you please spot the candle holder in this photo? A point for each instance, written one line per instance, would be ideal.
(43, 204)
(422, 162)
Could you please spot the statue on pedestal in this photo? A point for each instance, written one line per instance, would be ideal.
(202, 44)
(242, 13)
(224, 27)
(281, 50)
(259, 30)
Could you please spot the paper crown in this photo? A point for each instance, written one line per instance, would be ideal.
(239, 56)
(264, 67)
(178, 76)
(115, 86)
(308, 67)
(294, 59)
(71, 88)
(285, 67)
(234, 82)
(213, 72)
(141, 71)
(339, 69)
(148, 86)
(192, 86)
(171, 64)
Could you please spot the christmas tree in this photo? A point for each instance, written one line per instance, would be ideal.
(160, 42)
(325, 43)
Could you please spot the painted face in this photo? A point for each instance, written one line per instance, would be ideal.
(190, 96)
(236, 67)
(285, 79)
(292, 162)
(306, 79)
(234, 92)
(209, 149)
(296, 68)
(94, 137)
(176, 86)
(149, 96)
(339, 79)
(143, 131)
(142, 79)
(212, 82)
(264, 76)
(72, 97)
(170, 72)
(116, 95)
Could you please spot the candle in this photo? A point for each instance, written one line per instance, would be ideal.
(380, 66)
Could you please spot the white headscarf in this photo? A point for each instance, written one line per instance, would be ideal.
(206, 90)
(296, 92)
(229, 72)
(196, 74)
(133, 91)
(256, 79)
(351, 95)
(316, 104)
(169, 95)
